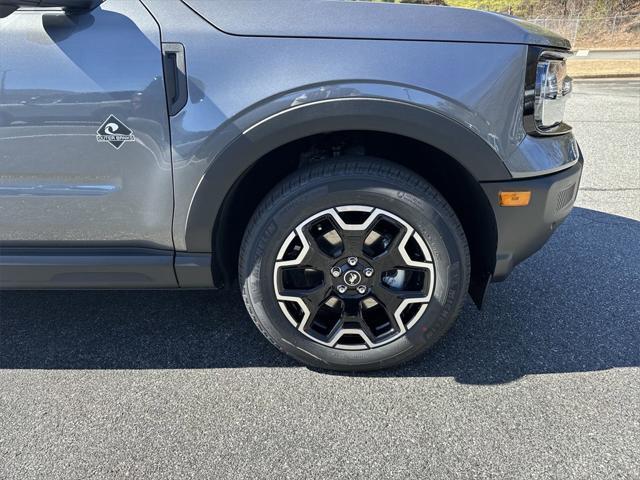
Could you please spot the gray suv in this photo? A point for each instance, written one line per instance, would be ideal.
(357, 167)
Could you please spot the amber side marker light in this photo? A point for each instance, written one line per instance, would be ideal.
(515, 199)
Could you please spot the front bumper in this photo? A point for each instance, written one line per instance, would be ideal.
(524, 230)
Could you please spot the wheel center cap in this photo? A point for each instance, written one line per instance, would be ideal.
(352, 278)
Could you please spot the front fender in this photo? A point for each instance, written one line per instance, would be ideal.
(255, 134)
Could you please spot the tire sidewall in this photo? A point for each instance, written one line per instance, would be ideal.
(430, 217)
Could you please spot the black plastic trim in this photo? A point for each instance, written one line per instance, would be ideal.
(80, 268)
(524, 230)
(194, 270)
(175, 76)
(6, 10)
(432, 128)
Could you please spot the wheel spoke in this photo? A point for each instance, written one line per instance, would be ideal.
(393, 302)
(327, 319)
(317, 259)
(366, 329)
(382, 239)
(312, 298)
(391, 259)
(354, 277)
(352, 242)
(315, 256)
(392, 299)
(389, 300)
(353, 325)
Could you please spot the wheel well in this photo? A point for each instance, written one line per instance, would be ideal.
(453, 181)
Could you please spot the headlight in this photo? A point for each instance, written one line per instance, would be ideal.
(547, 88)
(553, 87)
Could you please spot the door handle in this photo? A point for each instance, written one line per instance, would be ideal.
(175, 76)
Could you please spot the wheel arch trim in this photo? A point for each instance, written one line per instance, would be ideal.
(332, 115)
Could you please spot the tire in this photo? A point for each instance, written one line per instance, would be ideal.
(427, 234)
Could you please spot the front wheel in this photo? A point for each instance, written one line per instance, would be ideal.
(354, 265)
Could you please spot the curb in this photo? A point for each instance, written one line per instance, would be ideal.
(605, 76)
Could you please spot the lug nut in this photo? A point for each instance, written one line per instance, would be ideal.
(362, 289)
(335, 271)
(341, 289)
(352, 261)
(368, 272)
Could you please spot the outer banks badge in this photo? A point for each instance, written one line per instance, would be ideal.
(115, 132)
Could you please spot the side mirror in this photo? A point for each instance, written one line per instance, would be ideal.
(7, 7)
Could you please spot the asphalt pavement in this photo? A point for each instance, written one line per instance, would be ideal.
(543, 383)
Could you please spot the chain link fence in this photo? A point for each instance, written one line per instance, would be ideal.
(619, 31)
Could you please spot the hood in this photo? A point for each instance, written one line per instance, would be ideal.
(366, 20)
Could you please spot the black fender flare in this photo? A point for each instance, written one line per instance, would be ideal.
(369, 114)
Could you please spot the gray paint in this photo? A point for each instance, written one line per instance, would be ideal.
(60, 78)
(543, 155)
(373, 114)
(237, 81)
(477, 85)
(347, 19)
(58, 186)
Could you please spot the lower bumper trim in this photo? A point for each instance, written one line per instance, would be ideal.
(522, 231)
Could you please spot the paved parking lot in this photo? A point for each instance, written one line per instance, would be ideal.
(545, 382)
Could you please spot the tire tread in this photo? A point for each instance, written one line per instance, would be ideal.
(344, 166)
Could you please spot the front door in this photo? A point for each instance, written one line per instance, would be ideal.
(84, 136)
